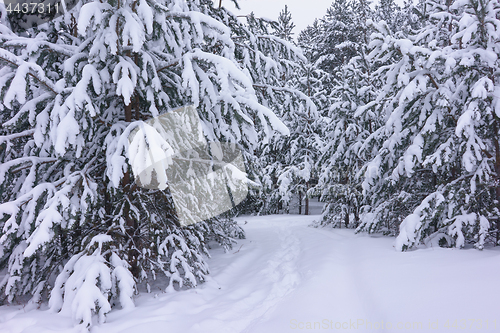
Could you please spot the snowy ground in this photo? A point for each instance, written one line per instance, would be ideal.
(288, 277)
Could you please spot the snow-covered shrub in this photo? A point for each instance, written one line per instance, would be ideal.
(89, 282)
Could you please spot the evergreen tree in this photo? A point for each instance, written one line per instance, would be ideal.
(432, 178)
(307, 39)
(287, 162)
(332, 42)
(351, 120)
(389, 12)
(465, 204)
(299, 151)
(412, 16)
(285, 25)
(405, 96)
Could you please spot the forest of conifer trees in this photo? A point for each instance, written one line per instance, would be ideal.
(388, 115)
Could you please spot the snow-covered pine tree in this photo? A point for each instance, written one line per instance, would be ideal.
(389, 12)
(434, 176)
(351, 119)
(75, 226)
(388, 198)
(286, 160)
(285, 25)
(469, 154)
(296, 154)
(332, 46)
(307, 39)
(411, 16)
(337, 163)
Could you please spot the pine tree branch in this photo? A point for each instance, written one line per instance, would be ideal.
(247, 47)
(31, 161)
(16, 135)
(434, 83)
(175, 63)
(48, 85)
(54, 48)
(55, 184)
(284, 89)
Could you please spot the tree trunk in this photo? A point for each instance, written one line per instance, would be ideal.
(497, 171)
(356, 217)
(300, 202)
(306, 210)
(132, 225)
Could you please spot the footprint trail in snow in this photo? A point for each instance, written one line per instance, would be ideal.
(287, 275)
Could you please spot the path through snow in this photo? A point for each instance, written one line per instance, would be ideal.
(288, 277)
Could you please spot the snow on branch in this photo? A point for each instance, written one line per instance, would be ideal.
(4, 138)
(24, 68)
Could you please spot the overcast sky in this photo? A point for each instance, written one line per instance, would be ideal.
(303, 11)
